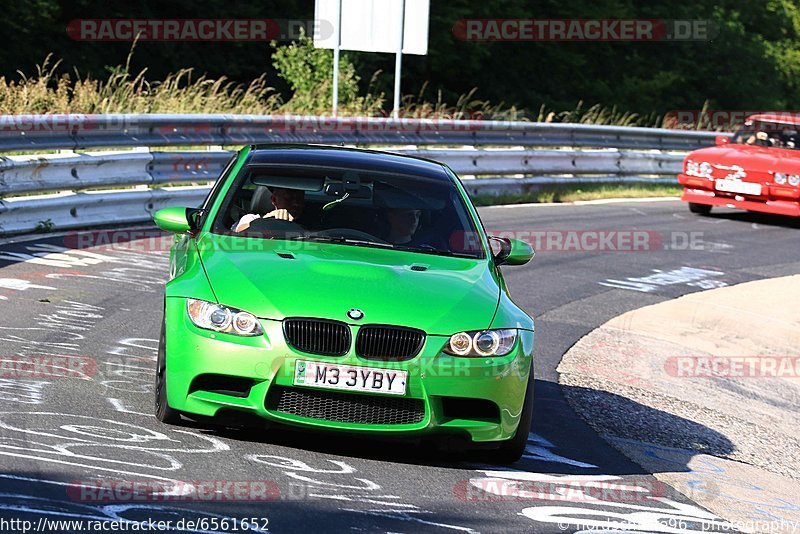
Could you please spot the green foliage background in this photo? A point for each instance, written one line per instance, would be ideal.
(754, 62)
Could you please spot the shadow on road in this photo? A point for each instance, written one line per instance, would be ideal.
(766, 219)
(561, 441)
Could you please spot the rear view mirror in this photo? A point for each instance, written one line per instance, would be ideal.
(722, 140)
(349, 185)
(338, 189)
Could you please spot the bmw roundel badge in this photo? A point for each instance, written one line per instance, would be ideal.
(355, 314)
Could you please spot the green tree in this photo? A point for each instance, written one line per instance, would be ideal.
(309, 74)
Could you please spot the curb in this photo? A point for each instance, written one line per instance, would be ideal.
(726, 439)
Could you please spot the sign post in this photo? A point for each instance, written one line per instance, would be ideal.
(389, 26)
(337, 36)
(398, 59)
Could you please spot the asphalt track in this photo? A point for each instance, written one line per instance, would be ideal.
(59, 437)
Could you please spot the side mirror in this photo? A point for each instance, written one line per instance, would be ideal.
(722, 140)
(512, 251)
(176, 220)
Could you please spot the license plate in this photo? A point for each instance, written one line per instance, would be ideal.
(735, 186)
(334, 376)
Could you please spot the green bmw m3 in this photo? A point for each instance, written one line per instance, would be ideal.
(345, 290)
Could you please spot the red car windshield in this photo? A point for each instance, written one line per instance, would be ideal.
(768, 134)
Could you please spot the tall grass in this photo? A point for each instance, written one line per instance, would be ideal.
(124, 91)
(600, 114)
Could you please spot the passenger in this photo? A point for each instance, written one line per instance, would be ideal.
(403, 224)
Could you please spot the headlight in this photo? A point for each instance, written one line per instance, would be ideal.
(482, 343)
(794, 179)
(702, 170)
(780, 178)
(219, 318)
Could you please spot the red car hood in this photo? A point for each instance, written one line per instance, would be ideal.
(751, 158)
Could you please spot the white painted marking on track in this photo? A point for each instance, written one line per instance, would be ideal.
(538, 448)
(20, 285)
(119, 405)
(22, 391)
(403, 515)
(691, 276)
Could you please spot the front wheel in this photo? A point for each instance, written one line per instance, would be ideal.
(164, 413)
(513, 449)
(700, 209)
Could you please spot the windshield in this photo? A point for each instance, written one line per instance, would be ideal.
(768, 134)
(350, 207)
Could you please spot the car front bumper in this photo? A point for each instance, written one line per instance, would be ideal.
(780, 200)
(438, 383)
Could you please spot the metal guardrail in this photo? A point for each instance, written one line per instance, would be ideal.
(92, 170)
(523, 154)
(76, 132)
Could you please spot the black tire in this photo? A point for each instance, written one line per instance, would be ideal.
(700, 209)
(513, 449)
(164, 412)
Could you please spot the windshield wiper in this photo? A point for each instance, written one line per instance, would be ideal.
(376, 244)
(342, 240)
(436, 251)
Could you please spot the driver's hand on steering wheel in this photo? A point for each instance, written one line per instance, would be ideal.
(244, 222)
(284, 215)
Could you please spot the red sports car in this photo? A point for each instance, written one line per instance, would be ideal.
(758, 169)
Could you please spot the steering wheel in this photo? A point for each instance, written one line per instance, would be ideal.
(279, 226)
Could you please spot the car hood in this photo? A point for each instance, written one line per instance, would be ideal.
(751, 158)
(274, 279)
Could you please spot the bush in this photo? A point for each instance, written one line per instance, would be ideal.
(309, 73)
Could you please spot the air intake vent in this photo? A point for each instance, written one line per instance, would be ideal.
(346, 407)
(389, 343)
(224, 385)
(317, 336)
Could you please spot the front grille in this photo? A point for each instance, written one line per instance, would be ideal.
(317, 336)
(390, 343)
(346, 407)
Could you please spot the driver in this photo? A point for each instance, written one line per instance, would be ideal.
(759, 138)
(289, 205)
